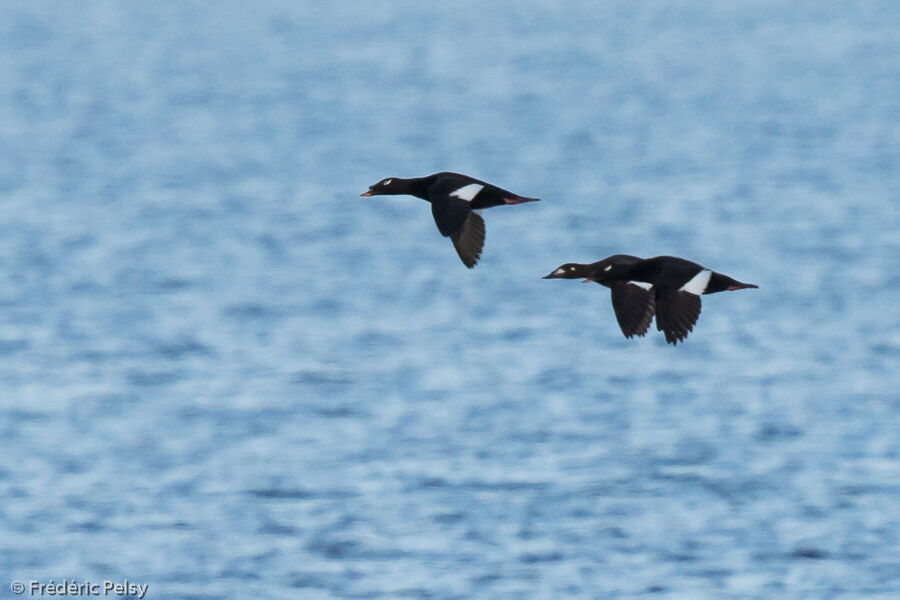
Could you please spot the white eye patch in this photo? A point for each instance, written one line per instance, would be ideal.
(607, 267)
(467, 192)
(388, 181)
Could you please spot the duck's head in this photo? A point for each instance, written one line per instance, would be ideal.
(571, 271)
(385, 186)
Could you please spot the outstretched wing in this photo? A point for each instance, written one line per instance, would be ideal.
(676, 313)
(634, 307)
(450, 214)
(469, 240)
(454, 219)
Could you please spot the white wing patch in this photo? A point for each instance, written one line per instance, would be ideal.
(697, 284)
(642, 284)
(467, 192)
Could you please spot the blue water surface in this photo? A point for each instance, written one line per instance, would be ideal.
(225, 375)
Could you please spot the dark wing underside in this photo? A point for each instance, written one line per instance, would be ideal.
(454, 219)
(450, 214)
(676, 313)
(633, 306)
(469, 240)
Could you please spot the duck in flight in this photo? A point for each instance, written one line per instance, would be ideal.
(454, 198)
(666, 286)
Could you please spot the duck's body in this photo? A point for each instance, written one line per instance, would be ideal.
(667, 286)
(453, 199)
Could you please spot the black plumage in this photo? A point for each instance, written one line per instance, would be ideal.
(453, 199)
(667, 286)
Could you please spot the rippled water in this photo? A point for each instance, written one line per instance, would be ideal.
(225, 375)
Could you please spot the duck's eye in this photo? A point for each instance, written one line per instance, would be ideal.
(571, 268)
